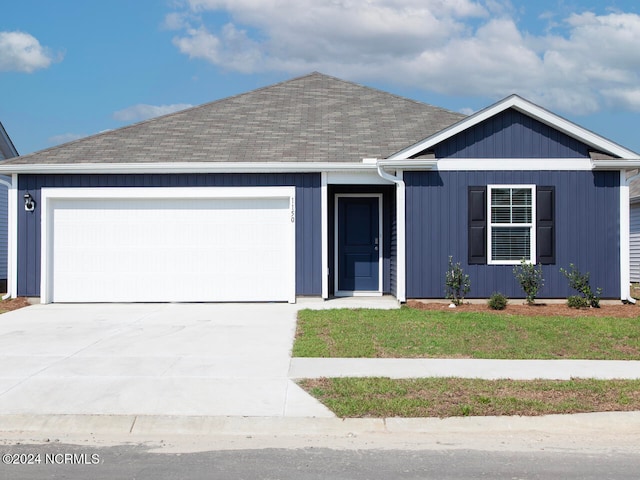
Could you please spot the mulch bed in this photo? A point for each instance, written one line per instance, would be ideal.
(13, 304)
(539, 309)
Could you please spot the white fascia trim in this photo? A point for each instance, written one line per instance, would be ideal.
(530, 109)
(48, 196)
(628, 164)
(501, 164)
(521, 164)
(185, 167)
(407, 164)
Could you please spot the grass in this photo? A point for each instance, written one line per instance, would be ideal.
(409, 333)
(447, 397)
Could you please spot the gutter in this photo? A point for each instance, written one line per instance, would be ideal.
(401, 287)
(179, 167)
(207, 167)
(617, 164)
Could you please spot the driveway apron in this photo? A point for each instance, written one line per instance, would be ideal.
(151, 359)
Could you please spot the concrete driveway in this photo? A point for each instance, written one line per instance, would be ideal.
(151, 359)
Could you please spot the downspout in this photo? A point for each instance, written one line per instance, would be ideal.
(401, 293)
(10, 245)
(627, 182)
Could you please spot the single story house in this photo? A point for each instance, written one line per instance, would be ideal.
(7, 150)
(319, 187)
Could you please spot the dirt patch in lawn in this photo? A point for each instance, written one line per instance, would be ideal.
(540, 309)
(13, 304)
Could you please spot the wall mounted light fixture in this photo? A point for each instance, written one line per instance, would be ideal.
(29, 202)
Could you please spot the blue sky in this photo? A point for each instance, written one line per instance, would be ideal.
(72, 68)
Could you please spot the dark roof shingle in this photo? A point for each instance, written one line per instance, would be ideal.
(314, 118)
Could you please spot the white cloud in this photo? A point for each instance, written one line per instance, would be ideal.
(453, 47)
(65, 138)
(21, 52)
(142, 111)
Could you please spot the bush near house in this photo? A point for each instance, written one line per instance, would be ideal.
(580, 282)
(529, 276)
(457, 283)
(497, 301)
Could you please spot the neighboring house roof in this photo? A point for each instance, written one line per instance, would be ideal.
(7, 149)
(314, 118)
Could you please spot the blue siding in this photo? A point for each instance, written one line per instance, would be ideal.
(308, 216)
(587, 231)
(511, 134)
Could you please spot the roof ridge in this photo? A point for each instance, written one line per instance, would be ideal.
(379, 90)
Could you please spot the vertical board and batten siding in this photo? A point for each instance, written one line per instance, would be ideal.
(308, 216)
(587, 231)
(634, 241)
(511, 134)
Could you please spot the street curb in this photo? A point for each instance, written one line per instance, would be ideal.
(149, 425)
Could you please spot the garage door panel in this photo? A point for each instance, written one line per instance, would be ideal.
(157, 250)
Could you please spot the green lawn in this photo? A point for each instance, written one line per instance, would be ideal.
(447, 397)
(413, 333)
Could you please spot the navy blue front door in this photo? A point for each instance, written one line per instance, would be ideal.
(358, 243)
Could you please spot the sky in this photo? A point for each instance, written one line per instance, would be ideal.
(72, 68)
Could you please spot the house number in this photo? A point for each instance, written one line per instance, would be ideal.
(293, 212)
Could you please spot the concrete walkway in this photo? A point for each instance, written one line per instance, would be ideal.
(151, 359)
(155, 369)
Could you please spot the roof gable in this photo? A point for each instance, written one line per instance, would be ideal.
(511, 134)
(314, 118)
(562, 136)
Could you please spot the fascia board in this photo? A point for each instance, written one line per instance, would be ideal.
(408, 164)
(184, 167)
(527, 108)
(622, 164)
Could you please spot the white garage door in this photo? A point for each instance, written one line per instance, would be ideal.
(169, 245)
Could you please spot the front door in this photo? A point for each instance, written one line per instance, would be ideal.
(358, 244)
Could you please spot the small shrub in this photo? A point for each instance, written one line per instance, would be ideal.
(497, 301)
(529, 276)
(580, 282)
(457, 283)
(576, 301)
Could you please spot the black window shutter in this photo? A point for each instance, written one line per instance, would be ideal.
(545, 225)
(477, 226)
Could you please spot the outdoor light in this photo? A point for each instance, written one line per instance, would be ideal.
(29, 202)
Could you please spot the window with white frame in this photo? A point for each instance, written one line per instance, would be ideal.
(511, 235)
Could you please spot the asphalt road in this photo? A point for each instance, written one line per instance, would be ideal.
(60, 461)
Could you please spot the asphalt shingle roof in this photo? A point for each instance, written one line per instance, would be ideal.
(314, 118)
